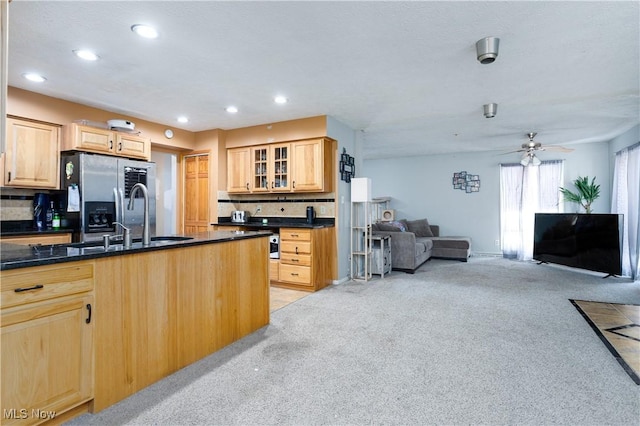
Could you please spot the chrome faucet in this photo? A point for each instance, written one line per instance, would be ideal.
(146, 240)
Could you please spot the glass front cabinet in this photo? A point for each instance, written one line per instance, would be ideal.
(271, 168)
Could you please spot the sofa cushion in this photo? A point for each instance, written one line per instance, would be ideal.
(420, 227)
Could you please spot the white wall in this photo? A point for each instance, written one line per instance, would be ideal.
(422, 187)
(346, 138)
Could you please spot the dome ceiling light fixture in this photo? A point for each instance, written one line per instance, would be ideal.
(487, 49)
(490, 110)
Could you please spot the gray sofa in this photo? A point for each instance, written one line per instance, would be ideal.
(415, 242)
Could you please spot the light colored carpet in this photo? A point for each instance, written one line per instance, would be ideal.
(491, 341)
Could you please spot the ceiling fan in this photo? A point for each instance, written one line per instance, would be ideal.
(529, 149)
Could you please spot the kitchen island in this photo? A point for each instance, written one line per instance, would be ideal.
(84, 327)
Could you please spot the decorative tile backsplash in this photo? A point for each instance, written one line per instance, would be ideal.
(270, 205)
(16, 204)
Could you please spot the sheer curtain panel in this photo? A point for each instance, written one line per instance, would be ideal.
(525, 191)
(626, 200)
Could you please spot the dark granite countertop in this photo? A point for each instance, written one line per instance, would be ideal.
(278, 222)
(13, 256)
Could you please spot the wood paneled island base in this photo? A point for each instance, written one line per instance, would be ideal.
(158, 312)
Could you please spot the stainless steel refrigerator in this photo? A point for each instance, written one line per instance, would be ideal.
(98, 188)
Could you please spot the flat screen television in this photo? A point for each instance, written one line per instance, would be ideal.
(586, 241)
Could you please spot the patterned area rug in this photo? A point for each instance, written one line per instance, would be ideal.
(618, 326)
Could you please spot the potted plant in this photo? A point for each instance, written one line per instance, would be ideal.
(587, 192)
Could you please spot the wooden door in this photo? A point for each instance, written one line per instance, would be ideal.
(32, 157)
(196, 193)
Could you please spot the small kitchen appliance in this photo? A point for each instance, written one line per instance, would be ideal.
(240, 216)
(274, 247)
(311, 214)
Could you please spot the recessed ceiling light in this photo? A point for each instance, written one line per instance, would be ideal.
(144, 31)
(280, 100)
(231, 109)
(183, 119)
(37, 78)
(86, 55)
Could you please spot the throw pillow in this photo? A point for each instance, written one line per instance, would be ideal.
(395, 226)
(420, 227)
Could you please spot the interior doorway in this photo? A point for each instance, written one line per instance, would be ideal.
(166, 192)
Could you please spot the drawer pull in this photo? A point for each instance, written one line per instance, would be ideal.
(88, 320)
(295, 274)
(295, 260)
(35, 287)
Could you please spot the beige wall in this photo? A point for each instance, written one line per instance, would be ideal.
(283, 131)
(35, 106)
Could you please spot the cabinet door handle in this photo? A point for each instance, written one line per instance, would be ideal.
(110, 144)
(88, 320)
(247, 186)
(120, 146)
(294, 184)
(297, 250)
(9, 177)
(35, 287)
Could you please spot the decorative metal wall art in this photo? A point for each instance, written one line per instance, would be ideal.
(347, 166)
(466, 182)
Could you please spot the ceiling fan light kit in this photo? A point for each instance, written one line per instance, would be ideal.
(490, 110)
(487, 49)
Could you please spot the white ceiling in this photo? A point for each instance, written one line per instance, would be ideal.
(404, 73)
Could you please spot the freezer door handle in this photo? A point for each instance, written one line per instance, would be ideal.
(119, 199)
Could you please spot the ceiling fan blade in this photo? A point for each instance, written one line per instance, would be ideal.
(517, 150)
(557, 148)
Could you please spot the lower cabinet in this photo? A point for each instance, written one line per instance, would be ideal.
(307, 258)
(47, 342)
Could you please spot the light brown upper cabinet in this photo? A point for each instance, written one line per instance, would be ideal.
(302, 166)
(32, 155)
(312, 165)
(103, 141)
(238, 171)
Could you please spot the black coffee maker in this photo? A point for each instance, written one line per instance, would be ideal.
(41, 203)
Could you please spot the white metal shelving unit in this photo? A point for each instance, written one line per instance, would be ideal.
(361, 241)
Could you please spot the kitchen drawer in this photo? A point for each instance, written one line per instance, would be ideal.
(295, 274)
(35, 239)
(29, 285)
(296, 247)
(295, 234)
(295, 259)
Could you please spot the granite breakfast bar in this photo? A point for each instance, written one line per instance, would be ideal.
(85, 327)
